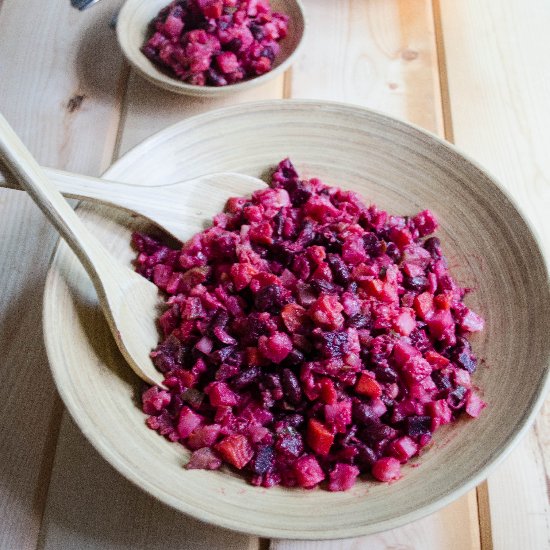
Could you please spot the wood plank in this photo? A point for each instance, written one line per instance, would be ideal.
(95, 512)
(91, 506)
(62, 96)
(376, 53)
(498, 92)
(382, 54)
(499, 79)
(447, 529)
(150, 109)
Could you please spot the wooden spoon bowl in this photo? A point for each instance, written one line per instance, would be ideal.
(402, 169)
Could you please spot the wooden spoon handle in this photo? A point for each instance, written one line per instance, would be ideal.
(33, 180)
(78, 186)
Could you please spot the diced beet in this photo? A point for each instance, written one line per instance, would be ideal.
(326, 312)
(236, 450)
(173, 26)
(436, 360)
(378, 407)
(405, 322)
(328, 395)
(228, 62)
(433, 246)
(221, 394)
(204, 459)
(443, 300)
(403, 353)
(457, 398)
(289, 442)
(211, 8)
(474, 404)
(308, 472)
(338, 415)
(294, 316)
(440, 412)
(264, 459)
(205, 345)
(425, 223)
(161, 275)
(387, 469)
(462, 378)
(424, 305)
(332, 343)
(342, 477)
(242, 274)
(188, 422)
(353, 251)
(416, 369)
(204, 436)
(291, 387)
(471, 322)
(401, 237)
(418, 425)
(441, 323)
(275, 347)
(155, 400)
(403, 448)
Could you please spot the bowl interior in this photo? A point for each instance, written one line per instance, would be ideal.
(401, 169)
(133, 29)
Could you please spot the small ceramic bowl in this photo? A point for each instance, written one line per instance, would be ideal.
(133, 28)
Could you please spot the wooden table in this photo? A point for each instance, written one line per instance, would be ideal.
(475, 72)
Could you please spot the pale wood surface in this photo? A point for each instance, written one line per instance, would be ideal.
(81, 134)
(96, 508)
(499, 81)
(41, 86)
(454, 528)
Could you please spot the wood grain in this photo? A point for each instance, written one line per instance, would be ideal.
(97, 508)
(52, 101)
(450, 529)
(377, 53)
(499, 81)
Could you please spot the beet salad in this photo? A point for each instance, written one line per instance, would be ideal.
(216, 42)
(308, 338)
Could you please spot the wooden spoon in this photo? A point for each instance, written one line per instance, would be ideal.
(181, 209)
(130, 302)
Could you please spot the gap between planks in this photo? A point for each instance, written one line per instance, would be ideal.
(443, 75)
(482, 491)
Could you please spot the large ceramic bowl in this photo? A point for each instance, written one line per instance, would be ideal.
(402, 169)
(133, 29)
